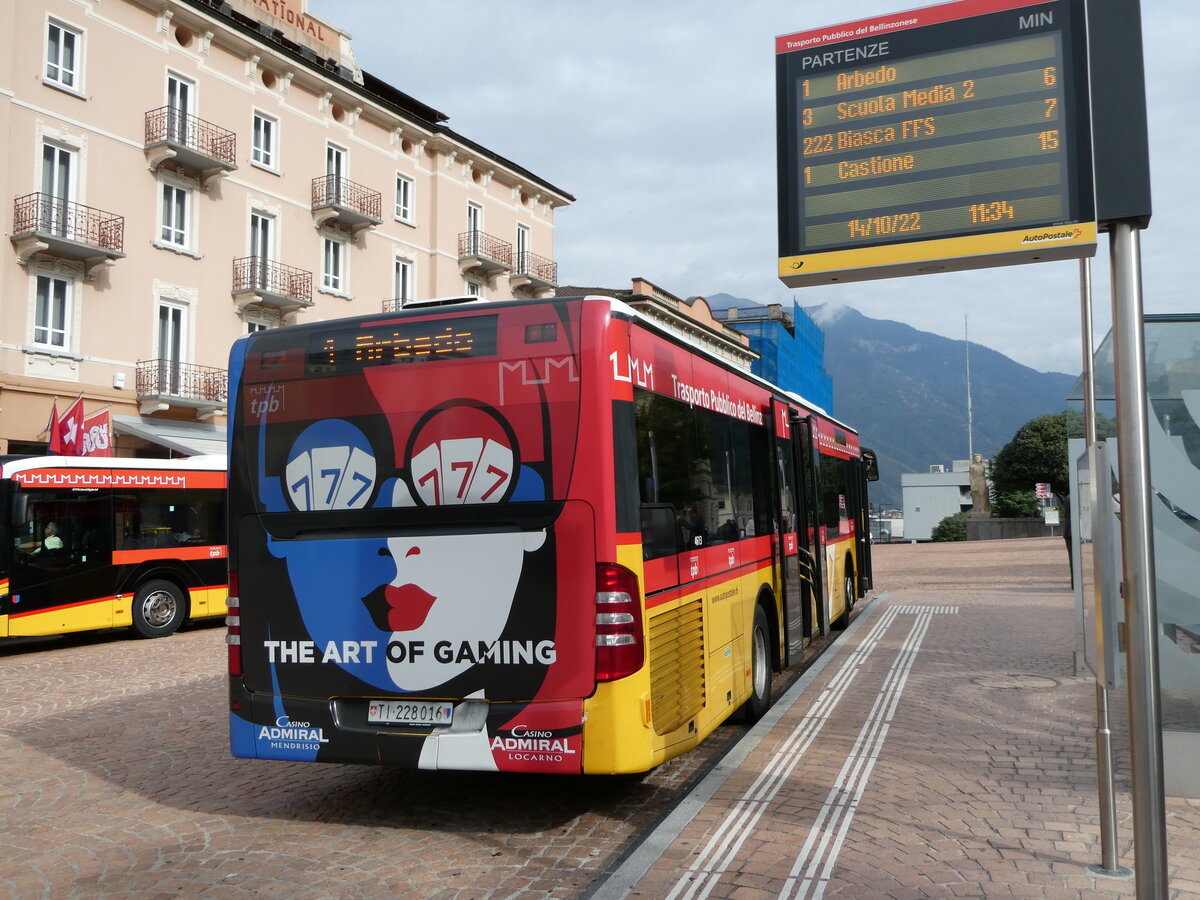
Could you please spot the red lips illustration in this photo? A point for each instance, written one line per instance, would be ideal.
(409, 606)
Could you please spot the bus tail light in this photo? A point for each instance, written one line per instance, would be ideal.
(620, 649)
(233, 623)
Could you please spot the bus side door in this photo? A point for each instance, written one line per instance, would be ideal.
(6, 551)
(796, 625)
(63, 585)
(809, 531)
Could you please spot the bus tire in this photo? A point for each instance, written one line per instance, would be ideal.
(159, 608)
(760, 669)
(850, 589)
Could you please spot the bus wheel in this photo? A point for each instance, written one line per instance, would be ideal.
(158, 610)
(850, 590)
(760, 669)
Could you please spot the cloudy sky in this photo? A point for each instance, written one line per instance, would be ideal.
(659, 117)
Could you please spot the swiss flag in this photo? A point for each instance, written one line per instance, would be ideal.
(69, 433)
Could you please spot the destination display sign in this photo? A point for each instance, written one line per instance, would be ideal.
(951, 137)
(353, 349)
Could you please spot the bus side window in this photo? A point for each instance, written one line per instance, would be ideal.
(667, 460)
(660, 535)
(78, 523)
(834, 489)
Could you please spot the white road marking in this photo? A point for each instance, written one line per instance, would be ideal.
(716, 856)
(820, 852)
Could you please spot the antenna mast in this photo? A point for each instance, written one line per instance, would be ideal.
(970, 420)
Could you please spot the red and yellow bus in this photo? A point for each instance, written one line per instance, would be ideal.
(536, 536)
(88, 544)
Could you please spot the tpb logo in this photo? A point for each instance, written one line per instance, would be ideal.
(264, 400)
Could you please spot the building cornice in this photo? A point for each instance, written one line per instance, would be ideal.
(379, 102)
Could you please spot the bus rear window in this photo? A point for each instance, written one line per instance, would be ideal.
(353, 349)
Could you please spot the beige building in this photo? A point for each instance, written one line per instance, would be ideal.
(183, 171)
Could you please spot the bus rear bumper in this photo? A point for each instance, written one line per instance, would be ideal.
(542, 736)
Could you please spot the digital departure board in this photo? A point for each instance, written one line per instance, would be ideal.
(951, 137)
(353, 349)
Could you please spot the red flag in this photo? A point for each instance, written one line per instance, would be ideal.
(54, 447)
(97, 434)
(70, 429)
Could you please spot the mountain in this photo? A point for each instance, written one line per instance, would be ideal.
(905, 392)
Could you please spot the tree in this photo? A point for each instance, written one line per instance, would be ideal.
(1015, 504)
(1038, 453)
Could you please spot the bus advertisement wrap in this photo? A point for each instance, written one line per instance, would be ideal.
(466, 611)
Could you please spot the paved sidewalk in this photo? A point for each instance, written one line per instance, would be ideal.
(946, 749)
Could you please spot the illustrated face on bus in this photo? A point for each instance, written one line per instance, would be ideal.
(418, 609)
(449, 602)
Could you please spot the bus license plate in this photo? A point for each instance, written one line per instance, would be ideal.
(409, 712)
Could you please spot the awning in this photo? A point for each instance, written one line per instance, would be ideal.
(188, 438)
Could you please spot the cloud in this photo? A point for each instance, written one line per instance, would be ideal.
(660, 119)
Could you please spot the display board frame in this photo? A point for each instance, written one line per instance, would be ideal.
(951, 137)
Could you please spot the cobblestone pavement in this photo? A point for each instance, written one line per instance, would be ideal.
(945, 750)
(116, 780)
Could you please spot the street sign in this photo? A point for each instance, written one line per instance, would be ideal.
(951, 137)
(1043, 491)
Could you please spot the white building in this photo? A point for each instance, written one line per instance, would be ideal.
(931, 496)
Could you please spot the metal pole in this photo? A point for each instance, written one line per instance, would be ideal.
(970, 419)
(1137, 554)
(1110, 864)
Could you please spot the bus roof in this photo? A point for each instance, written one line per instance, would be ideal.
(206, 463)
(645, 320)
(452, 304)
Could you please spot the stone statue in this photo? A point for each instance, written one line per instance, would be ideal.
(981, 500)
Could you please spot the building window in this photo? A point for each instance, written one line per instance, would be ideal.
(404, 198)
(253, 325)
(265, 131)
(180, 101)
(176, 203)
(52, 312)
(172, 345)
(262, 235)
(172, 331)
(58, 184)
(523, 239)
(474, 289)
(63, 46)
(332, 274)
(403, 281)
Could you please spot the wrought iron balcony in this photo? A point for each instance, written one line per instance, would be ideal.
(534, 272)
(345, 203)
(484, 253)
(163, 383)
(263, 282)
(43, 223)
(189, 143)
